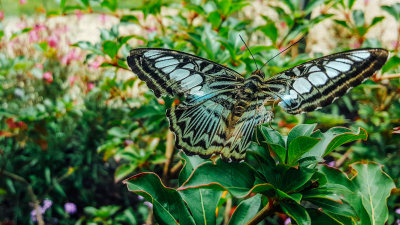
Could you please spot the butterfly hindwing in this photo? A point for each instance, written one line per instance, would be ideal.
(319, 82)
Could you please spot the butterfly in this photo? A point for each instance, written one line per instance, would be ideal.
(221, 108)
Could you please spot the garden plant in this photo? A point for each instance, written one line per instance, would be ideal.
(83, 140)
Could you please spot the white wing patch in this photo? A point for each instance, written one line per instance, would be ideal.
(318, 78)
(302, 86)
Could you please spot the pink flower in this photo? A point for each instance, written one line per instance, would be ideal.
(151, 29)
(33, 36)
(355, 45)
(52, 41)
(395, 44)
(1, 15)
(22, 2)
(78, 14)
(140, 42)
(96, 63)
(288, 221)
(39, 66)
(48, 77)
(103, 17)
(90, 86)
(72, 80)
(70, 56)
(283, 24)
(243, 48)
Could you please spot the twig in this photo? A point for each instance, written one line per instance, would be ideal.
(169, 151)
(266, 211)
(30, 193)
(340, 161)
(149, 220)
(390, 76)
(228, 209)
(176, 168)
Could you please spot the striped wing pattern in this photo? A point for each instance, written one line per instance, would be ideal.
(319, 82)
(207, 122)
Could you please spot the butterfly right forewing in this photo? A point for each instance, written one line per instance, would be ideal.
(319, 82)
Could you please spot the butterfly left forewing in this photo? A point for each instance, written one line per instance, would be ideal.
(319, 82)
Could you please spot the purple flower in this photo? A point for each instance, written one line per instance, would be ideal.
(331, 164)
(70, 208)
(288, 221)
(148, 204)
(140, 197)
(47, 204)
(397, 211)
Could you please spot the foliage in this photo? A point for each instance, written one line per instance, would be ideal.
(75, 121)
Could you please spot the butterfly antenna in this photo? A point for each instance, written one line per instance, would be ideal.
(249, 51)
(283, 51)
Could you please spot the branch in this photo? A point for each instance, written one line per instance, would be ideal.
(169, 152)
(268, 210)
(30, 193)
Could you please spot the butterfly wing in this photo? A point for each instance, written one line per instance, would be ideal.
(169, 72)
(319, 82)
(200, 121)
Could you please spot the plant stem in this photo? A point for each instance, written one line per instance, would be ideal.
(169, 152)
(266, 211)
(30, 193)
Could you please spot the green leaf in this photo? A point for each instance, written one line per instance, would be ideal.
(334, 138)
(16, 34)
(300, 130)
(214, 18)
(293, 179)
(279, 151)
(334, 207)
(342, 23)
(367, 191)
(311, 5)
(110, 48)
(168, 205)
(270, 31)
(296, 212)
(246, 210)
(266, 133)
(392, 63)
(322, 218)
(237, 178)
(376, 20)
(129, 18)
(110, 4)
(393, 10)
(202, 204)
(189, 164)
(298, 147)
(123, 171)
(85, 45)
(359, 18)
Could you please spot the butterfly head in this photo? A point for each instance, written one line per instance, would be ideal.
(258, 75)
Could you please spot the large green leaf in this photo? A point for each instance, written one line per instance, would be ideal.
(298, 147)
(367, 192)
(237, 178)
(201, 202)
(334, 138)
(168, 205)
(300, 130)
(246, 210)
(322, 218)
(297, 212)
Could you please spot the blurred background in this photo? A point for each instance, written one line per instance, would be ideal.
(75, 121)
